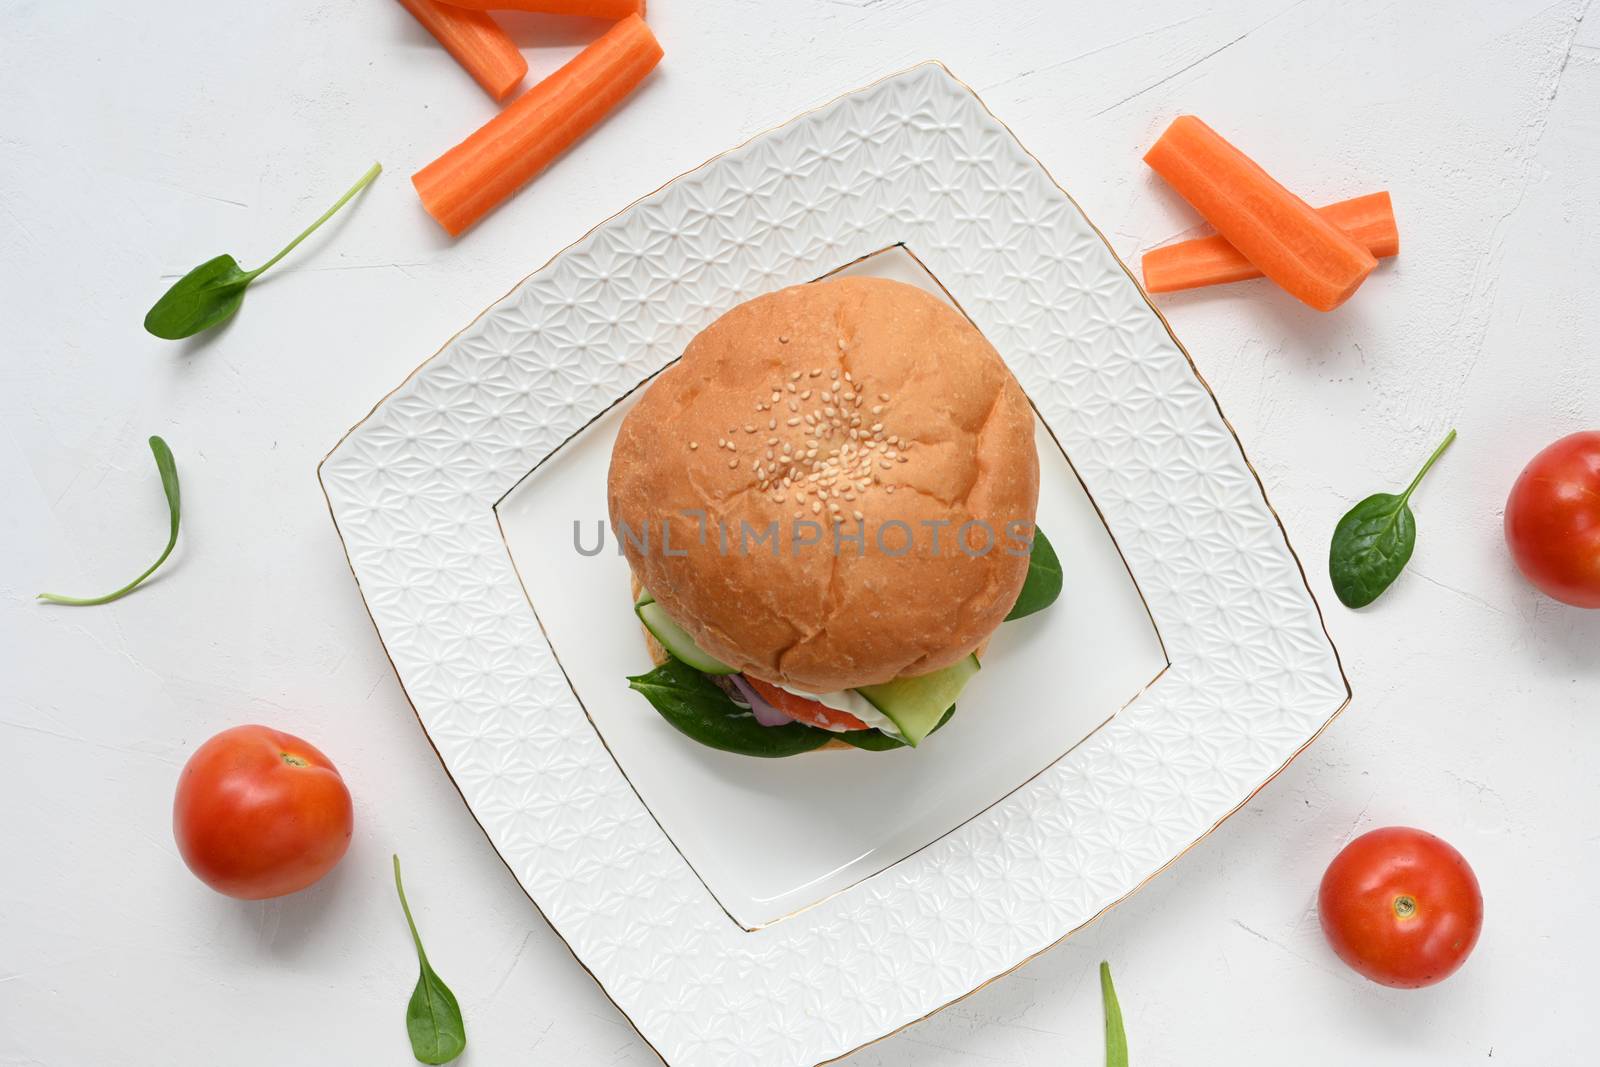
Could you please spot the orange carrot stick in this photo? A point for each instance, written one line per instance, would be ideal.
(1369, 220)
(471, 179)
(476, 41)
(600, 9)
(1276, 230)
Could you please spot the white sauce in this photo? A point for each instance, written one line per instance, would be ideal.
(848, 700)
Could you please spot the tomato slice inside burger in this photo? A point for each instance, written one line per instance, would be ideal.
(803, 709)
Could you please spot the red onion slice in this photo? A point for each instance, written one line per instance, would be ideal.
(765, 713)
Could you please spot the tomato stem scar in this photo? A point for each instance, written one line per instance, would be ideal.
(293, 761)
(1405, 906)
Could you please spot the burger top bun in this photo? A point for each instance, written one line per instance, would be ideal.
(834, 487)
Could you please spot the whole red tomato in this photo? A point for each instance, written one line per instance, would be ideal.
(1553, 520)
(260, 813)
(1401, 907)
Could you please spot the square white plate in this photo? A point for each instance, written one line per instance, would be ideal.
(722, 923)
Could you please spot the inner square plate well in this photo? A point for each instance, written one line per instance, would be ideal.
(771, 837)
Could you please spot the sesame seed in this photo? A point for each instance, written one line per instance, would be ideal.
(888, 489)
(834, 373)
(783, 338)
(816, 372)
(749, 427)
(834, 386)
(777, 395)
(693, 445)
(770, 455)
(732, 430)
(822, 494)
(841, 348)
(883, 397)
(786, 448)
(795, 377)
(805, 394)
(793, 406)
(793, 421)
(857, 514)
(885, 464)
(789, 387)
(732, 463)
(777, 498)
(815, 507)
(877, 409)
(891, 453)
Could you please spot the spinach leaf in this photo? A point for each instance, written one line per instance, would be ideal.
(1043, 583)
(877, 741)
(1373, 542)
(433, 1018)
(693, 704)
(1116, 1037)
(210, 293)
(168, 468)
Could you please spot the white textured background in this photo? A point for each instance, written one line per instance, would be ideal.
(139, 139)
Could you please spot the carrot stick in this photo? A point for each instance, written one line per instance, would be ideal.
(1369, 220)
(600, 9)
(1276, 230)
(471, 179)
(476, 41)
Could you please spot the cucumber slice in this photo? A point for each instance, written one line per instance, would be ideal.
(916, 705)
(675, 639)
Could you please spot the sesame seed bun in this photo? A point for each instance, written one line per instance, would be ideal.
(941, 433)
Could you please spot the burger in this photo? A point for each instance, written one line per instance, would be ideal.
(828, 508)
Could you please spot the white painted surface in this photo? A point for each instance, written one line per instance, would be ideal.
(138, 139)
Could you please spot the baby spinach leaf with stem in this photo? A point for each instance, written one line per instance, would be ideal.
(210, 293)
(1373, 542)
(1116, 1037)
(433, 1018)
(169, 485)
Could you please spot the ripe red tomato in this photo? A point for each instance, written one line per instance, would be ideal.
(1553, 520)
(260, 813)
(811, 712)
(1401, 907)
